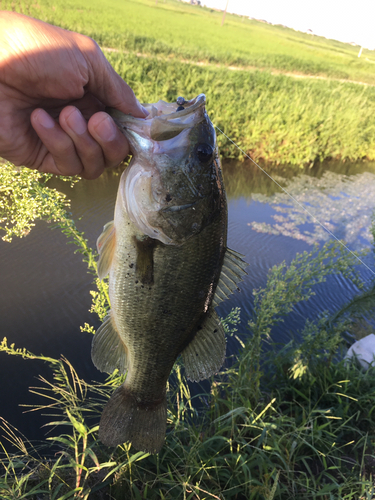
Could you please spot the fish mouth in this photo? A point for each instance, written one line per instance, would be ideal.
(167, 111)
(165, 120)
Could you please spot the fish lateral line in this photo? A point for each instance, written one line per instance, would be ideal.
(298, 203)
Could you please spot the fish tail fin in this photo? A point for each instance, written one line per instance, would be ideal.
(124, 419)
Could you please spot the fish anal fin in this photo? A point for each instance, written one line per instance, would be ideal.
(106, 246)
(205, 354)
(232, 272)
(108, 351)
(125, 419)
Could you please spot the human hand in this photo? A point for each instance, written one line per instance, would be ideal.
(54, 86)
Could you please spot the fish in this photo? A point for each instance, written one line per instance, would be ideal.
(169, 266)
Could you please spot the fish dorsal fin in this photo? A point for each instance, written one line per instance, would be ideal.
(106, 246)
(232, 272)
(205, 354)
(108, 351)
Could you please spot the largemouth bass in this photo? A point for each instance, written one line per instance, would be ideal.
(168, 267)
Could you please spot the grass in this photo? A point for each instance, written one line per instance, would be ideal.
(306, 438)
(257, 435)
(273, 118)
(175, 29)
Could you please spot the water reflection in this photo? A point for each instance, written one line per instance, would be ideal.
(342, 203)
(242, 179)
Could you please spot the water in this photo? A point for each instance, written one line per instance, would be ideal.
(44, 286)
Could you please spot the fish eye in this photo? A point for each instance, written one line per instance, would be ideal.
(204, 152)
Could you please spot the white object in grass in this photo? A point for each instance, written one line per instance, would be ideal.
(363, 350)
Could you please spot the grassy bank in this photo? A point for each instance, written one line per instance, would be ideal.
(311, 437)
(276, 118)
(271, 117)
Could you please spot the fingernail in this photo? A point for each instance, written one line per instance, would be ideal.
(45, 120)
(76, 122)
(106, 129)
(145, 112)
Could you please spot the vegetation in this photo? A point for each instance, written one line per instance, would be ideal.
(176, 30)
(270, 116)
(289, 424)
(274, 118)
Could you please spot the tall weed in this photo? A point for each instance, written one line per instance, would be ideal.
(274, 118)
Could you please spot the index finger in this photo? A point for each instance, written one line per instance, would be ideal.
(105, 84)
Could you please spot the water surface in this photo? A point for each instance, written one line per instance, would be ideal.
(44, 286)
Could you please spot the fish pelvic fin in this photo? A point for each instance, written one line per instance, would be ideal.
(106, 247)
(108, 351)
(205, 354)
(232, 272)
(126, 419)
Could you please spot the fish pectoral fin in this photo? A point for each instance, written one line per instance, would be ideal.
(144, 267)
(108, 351)
(205, 354)
(106, 246)
(232, 273)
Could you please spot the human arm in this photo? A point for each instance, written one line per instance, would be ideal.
(54, 86)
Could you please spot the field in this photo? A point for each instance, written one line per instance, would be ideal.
(275, 118)
(269, 114)
(178, 30)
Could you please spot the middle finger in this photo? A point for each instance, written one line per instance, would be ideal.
(88, 150)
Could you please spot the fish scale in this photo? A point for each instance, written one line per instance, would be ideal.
(180, 275)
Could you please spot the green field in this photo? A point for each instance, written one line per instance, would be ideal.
(176, 29)
(274, 117)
